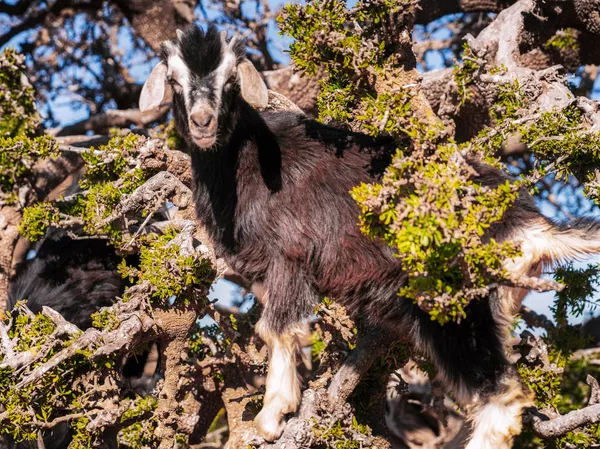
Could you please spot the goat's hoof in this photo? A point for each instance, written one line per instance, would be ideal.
(270, 424)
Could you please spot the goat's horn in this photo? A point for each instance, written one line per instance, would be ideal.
(233, 40)
(224, 37)
(179, 34)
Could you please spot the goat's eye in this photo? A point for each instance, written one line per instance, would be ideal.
(173, 82)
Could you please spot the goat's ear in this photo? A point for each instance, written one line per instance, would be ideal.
(254, 90)
(155, 91)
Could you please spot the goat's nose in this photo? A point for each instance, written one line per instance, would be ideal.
(201, 120)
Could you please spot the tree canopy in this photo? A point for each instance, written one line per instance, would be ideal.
(509, 82)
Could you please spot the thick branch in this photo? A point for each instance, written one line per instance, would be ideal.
(533, 319)
(556, 427)
(368, 349)
(40, 16)
(157, 20)
(15, 9)
(112, 119)
(430, 10)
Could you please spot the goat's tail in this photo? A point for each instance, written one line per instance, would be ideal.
(551, 243)
(544, 244)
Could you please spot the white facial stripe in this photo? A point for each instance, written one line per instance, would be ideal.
(228, 59)
(180, 73)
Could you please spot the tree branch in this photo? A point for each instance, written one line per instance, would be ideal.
(557, 427)
(112, 119)
(430, 10)
(40, 16)
(534, 319)
(368, 348)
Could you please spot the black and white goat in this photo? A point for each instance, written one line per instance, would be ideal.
(272, 189)
(77, 278)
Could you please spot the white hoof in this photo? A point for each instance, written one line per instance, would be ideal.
(270, 424)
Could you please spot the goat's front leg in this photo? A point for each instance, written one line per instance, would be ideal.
(283, 384)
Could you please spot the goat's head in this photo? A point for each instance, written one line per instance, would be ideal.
(205, 74)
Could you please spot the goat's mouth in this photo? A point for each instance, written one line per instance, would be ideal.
(204, 140)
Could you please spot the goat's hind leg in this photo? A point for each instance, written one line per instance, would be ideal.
(472, 361)
(282, 394)
(496, 415)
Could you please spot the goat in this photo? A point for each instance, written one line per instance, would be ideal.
(77, 278)
(74, 277)
(272, 191)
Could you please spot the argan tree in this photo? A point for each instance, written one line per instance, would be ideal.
(447, 79)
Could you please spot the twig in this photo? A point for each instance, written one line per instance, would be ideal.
(537, 284)
(534, 319)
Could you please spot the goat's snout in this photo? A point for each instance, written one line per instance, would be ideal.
(203, 127)
(201, 121)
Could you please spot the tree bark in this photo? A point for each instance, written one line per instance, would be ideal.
(157, 20)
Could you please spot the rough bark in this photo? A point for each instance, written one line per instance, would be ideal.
(300, 89)
(430, 10)
(557, 427)
(156, 21)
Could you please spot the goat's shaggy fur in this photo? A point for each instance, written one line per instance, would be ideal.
(73, 277)
(77, 278)
(272, 190)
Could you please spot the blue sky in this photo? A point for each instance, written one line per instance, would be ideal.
(68, 112)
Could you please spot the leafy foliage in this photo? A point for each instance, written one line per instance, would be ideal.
(163, 266)
(59, 391)
(428, 206)
(111, 172)
(20, 142)
(434, 216)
